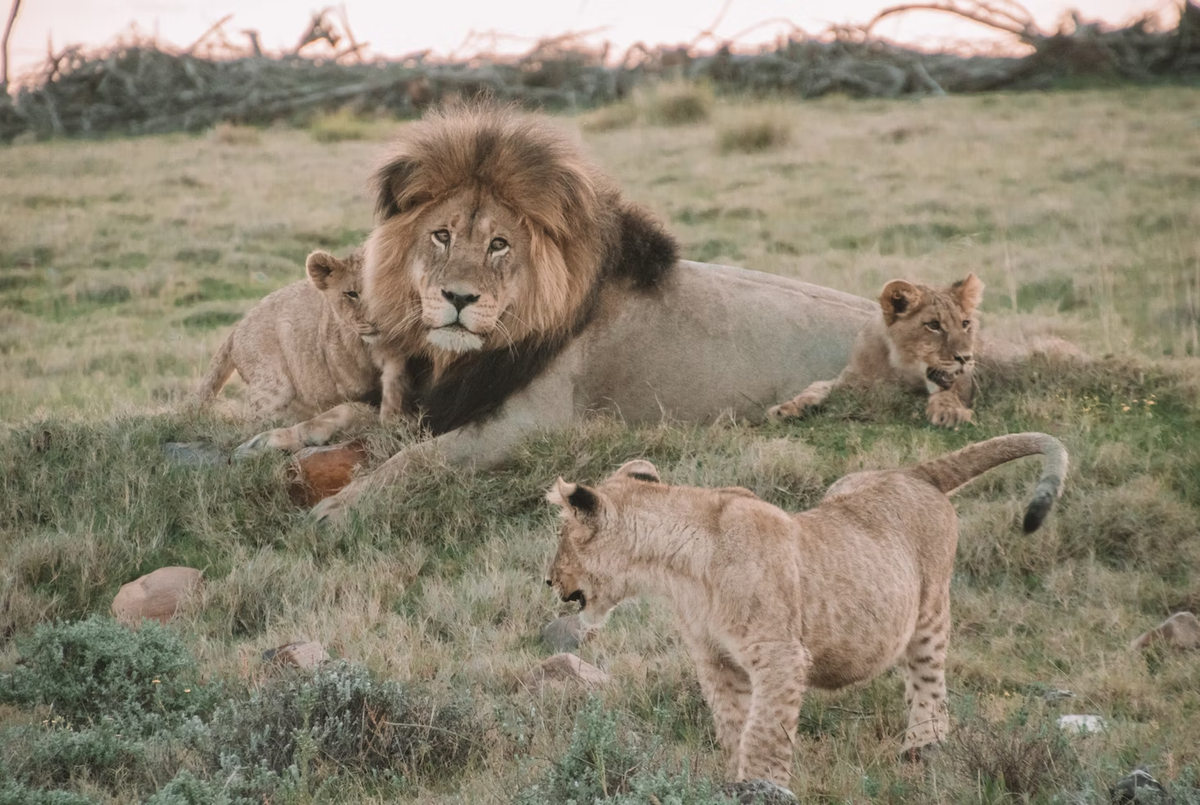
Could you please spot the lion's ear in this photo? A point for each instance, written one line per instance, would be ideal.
(323, 268)
(392, 185)
(577, 500)
(898, 299)
(639, 469)
(969, 292)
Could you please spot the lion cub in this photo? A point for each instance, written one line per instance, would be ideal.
(308, 347)
(925, 340)
(770, 603)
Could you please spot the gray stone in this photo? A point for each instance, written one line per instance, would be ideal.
(1139, 788)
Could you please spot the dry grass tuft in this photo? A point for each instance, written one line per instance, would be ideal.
(755, 132)
(344, 125)
(609, 118)
(677, 103)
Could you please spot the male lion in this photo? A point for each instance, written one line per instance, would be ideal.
(771, 602)
(308, 346)
(526, 291)
(925, 340)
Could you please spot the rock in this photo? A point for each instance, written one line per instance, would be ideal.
(1057, 695)
(562, 667)
(157, 595)
(193, 454)
(1181, 630)
(301, 655)
(1081, 724)
(564, 634)
(1139, 788)
(321, 472)
(759, 792)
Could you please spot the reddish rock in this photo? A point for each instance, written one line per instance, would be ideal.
(157, 595)
(320, 472)
(1181, 630)
(563, 667)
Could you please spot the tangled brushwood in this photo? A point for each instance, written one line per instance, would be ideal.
(143, 86)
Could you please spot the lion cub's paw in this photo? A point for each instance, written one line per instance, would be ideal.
(278, 439)
(759, 792)
(792, 409)
(947, 411)
(329, 511)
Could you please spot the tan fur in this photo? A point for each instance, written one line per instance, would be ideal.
(520, 231)
(305, 347)
(771, 603)
(924, 340)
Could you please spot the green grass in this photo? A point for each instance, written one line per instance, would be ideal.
(123, 274)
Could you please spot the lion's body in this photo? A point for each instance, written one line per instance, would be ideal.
(899, 348)
(304, 348)
(770, 603)
(526, 291)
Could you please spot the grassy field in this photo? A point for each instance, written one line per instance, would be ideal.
(123, 263)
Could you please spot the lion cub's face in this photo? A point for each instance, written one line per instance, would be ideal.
(588, 564)
(469, 260)
(341, 283)
(932, 330)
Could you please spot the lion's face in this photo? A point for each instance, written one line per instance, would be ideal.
(341, 283)
(588, 564)
(933, 330)
(468, 264)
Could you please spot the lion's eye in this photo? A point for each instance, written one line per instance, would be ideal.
(351, 294)
(966, 324)
(934, 326)
(499, 244)
(442, 236)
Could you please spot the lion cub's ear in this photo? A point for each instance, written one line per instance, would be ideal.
(969, 292)
(897, 299)
(639, 469)
(323, 268)
(577, 500)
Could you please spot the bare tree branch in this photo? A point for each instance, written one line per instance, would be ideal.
(1018, 21)
(12, 17)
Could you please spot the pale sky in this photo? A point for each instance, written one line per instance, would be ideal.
(400, 26)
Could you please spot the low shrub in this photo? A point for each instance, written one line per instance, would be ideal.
(677, 103)
(96, 669)
(761, 132)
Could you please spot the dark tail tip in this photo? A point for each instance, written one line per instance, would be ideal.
(1035, 515)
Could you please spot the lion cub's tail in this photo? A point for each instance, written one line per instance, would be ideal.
(218, 374)
(950, 472)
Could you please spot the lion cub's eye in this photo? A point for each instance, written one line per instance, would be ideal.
(351, 294)
(442, 236)
(498, 245)
(934, 326)
(966, 324)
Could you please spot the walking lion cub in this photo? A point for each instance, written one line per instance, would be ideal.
(925, 340)
(770, 603)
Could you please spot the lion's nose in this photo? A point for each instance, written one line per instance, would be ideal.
(459, 300)
(963, 359)
(549, 583)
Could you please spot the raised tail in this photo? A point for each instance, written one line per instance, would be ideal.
(219, 372)
(950, 472)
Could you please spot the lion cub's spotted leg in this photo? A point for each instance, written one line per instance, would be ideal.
(778, 672)
(925, 679)
(949, 408)
(800, 405)
(726, 688)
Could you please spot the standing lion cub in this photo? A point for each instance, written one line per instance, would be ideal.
(925, 340)
(771, 603)
(308, 347)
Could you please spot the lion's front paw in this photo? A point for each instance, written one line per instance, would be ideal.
(330, 510)
(759, 792)
(947, 411)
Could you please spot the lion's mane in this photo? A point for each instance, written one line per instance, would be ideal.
(584, 239)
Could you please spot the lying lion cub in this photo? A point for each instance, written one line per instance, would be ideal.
(925, 340)
(770, 603)
(307, 347)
